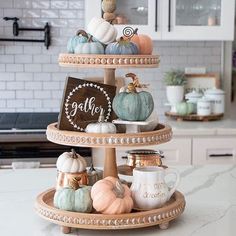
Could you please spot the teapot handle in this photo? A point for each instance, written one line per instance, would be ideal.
(170, 171)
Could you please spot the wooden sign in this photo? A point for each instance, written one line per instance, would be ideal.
(201, 82)
(82, 102)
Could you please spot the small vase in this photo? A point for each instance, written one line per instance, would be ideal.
(175, 94)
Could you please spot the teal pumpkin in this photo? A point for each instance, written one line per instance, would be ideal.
(74, 198)
(90, 47)
(122, 47)
(80, 37)
(132, 105)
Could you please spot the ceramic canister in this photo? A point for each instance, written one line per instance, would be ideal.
(149, 189)
(203, 107)
(217, 96)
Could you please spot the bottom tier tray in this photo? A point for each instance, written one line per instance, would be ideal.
(136, 219)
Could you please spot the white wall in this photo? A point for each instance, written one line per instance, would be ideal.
(30, 78)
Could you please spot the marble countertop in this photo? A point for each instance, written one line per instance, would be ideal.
(220, 127)
(210, 193)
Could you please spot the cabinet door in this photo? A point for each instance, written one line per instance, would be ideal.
(214, 150)
(142, 14)
(176, 152)
(198, 19)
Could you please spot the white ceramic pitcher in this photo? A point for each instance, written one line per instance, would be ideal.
(149, 188)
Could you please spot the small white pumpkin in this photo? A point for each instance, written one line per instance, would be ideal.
(101, 126)
(71, 162)
(102, 30)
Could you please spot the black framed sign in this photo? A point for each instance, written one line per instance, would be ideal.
(82, 102)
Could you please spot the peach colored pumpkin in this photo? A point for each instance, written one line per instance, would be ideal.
(143, 41)
(110, 196)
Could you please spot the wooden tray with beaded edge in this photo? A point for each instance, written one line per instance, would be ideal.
(137, 219)
(162, 134)
(108, 61)
(194, 117)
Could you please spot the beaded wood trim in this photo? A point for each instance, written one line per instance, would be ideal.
(169, 212)
(108, 61)
(73, 138)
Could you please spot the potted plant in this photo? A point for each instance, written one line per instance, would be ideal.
(174, 80)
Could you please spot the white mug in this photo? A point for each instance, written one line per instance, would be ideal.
(149, 189)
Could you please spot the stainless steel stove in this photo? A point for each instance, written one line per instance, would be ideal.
(23, 139)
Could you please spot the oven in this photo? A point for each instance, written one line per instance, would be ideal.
(23, 141)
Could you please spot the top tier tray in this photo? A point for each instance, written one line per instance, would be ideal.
(108, 61)
(162, 134)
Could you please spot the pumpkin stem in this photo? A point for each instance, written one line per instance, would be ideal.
(82, 32)
(101, 117)
(90, 39)
(74, 155)
(92, 168)
(74, 182)
(135, 32)
(131, 88)
(136, 80)
(119, 190)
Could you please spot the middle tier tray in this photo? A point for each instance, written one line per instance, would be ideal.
(161, 134)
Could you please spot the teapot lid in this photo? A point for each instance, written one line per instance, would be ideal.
(193, 94)
(214, 91)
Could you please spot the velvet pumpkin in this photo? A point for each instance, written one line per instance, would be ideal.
(91, 47)
(122, 47)
(101, 126)
(133, 105)
(74, 198)
(71, 162)
(143, 41)
(80, 37)
(102, 30)
(110, 196)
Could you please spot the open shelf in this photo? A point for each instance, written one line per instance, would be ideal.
(162, 134)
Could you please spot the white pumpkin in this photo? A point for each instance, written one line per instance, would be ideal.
(102, 30)
(101, 126)
(71, 162)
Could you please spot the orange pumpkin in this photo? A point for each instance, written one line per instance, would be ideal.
(110, 196)
(143, 41)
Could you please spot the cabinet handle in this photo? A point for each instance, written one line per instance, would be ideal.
(156, 16)
(169, 17)
(221, 155)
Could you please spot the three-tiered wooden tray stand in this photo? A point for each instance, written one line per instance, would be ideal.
(163, 133)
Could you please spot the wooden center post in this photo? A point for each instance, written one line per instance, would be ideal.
(110, 167)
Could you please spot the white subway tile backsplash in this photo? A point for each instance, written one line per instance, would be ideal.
(15, 85)
(22, 94)
(55, 4)
(14, 67)
(41, 4)
(14, 50)
(16, 103)
(6, 76)
(33, 67)
(23, 58)
(49, 13)
(30, 73)
(42, 94)
(24, 76)
(32, 103)
(33, 85)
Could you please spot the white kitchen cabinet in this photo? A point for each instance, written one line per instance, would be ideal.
(173, 19)
(176, 152)
(214, 150)
(142, 14)
(198, 20)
